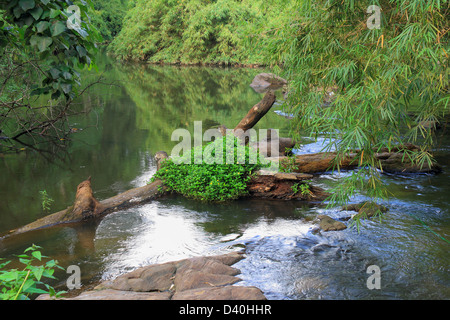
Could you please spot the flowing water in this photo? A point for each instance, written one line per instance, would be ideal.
(131, 120)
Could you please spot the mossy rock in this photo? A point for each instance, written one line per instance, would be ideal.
(366, 209)
(329, 224)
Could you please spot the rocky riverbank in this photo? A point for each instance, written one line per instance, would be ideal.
(199, 278)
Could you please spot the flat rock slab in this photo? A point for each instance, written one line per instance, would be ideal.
(110, 294)
(199, 278)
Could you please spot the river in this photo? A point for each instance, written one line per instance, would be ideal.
(133, 116)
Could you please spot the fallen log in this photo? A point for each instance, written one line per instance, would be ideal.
(251, 119)
(86, 207)
(284, 186)
(393, 161)
(257, 112)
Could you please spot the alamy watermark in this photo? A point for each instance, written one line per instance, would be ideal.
(261, 143)
(374, 280)
(374, 21)
(74, 280)
(74, 18)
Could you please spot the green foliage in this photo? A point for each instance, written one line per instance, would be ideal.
(46, 201)
(39, 31)
(303, 188)
(189, 32)
(217, 177)
(20, 284)
(288, 164)
(108, 16)
(386, 82)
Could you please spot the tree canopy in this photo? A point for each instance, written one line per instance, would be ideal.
(386, 84)
(194, 31)
(44, 45)
(53, 32)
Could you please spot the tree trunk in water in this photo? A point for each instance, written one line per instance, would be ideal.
(390, 161)
(257, 112)
(285, 186)
(252, 118)
(86, 207)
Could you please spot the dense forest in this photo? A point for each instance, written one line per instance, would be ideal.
(199, 31)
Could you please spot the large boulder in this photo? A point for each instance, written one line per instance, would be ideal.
(264, 81)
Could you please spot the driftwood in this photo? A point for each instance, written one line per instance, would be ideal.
(390, 161)
(284, 186)
(257, 112)
(252, 118)
(86, 207)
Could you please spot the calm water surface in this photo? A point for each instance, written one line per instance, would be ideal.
(115, 143)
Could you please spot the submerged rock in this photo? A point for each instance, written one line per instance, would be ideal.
(365, 209)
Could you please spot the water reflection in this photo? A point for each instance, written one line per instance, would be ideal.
(122, 126)
(154, 233)
(165, 230)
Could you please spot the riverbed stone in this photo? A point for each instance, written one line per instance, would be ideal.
(152, 278)
(111, 294)
(221, 293)
(198, 278)
(263, 81)
(191, 279)
(329, 224)
(365, 209)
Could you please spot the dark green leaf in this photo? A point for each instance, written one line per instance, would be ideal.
(42, 26)
(54, 13)
(66, 87)
(35, 290)
(56, 95)
(81, 51)
(17, 11)
(42, 43)
(27, 4)
(28, 20)
(11, 4)
(36, 12)
(57, 28)
(67, 75)
(54, 72)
